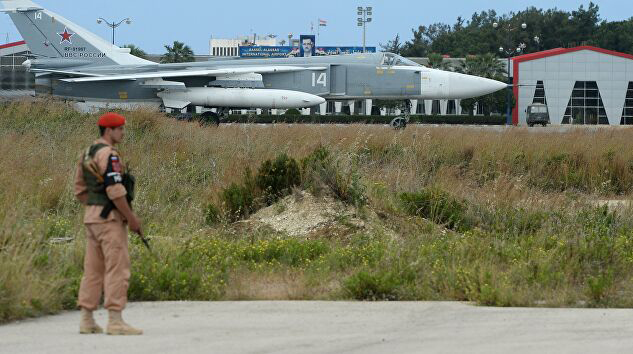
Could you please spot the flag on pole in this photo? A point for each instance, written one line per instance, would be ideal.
(322, 23)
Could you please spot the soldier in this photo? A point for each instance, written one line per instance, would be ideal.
(98, 183)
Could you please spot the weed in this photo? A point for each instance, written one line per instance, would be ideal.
(378, 286)
(238, 201)
(520, 206)
(322, 172)
(212, 215)
(277, 178)
(437, 206)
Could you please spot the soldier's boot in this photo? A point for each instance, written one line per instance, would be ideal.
(87, 325)
(117, 327)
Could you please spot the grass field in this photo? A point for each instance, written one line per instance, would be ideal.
(503, 218)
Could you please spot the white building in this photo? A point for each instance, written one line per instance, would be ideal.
(231, 47)
(12, 55)
(582, 85)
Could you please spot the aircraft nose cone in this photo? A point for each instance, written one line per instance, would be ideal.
(313, 100)
(468, 86)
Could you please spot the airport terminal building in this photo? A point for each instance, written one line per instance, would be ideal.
(581, 85)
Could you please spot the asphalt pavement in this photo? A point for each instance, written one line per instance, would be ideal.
(333, 327)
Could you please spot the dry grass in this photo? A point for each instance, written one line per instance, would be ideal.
(181, 167)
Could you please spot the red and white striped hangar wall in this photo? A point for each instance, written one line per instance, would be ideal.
(582, 85)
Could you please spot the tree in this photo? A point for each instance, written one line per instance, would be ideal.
(490, 67)
(555, 28)
(418, 46)
(136, 51)
(177, 53)
(436, 61)
(394, 46)
(487, 65)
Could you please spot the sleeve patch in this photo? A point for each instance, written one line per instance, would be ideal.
(113, 172)
(116, 164)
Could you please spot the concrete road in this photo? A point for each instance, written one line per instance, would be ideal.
(333, 327)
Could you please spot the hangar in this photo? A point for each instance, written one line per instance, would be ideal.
(581, 85)
(12, 75)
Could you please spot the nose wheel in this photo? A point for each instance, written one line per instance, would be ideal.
(401, 122)
(209, 118)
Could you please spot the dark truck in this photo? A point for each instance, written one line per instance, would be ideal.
(537, 114)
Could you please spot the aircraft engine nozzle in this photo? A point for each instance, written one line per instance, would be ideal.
(239, 98)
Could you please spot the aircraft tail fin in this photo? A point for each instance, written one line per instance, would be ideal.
(49, 35)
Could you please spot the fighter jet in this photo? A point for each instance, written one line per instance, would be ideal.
(75, 64)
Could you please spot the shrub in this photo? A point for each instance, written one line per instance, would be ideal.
(238, 201)
(276, 178)
(599, 287)
(174, 278)
(437, 206)
(292, 112)
(378, 286)
(212, 215)
(321, 171)
(290, 252)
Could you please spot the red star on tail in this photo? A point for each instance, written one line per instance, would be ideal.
(66, 36)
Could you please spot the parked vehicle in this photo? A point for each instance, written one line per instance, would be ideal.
(537, 114)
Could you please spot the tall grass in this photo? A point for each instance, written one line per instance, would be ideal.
(532, 237)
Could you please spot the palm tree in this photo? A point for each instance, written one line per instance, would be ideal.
(136, 51)
(487, 65)
(490, 67)
(436, 61)
(178, 53)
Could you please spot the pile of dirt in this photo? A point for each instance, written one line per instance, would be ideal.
(302, 214)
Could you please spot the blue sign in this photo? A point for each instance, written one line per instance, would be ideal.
(287, 52)
(269, 52)
(343, 50)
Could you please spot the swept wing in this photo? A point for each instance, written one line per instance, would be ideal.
(193, 73)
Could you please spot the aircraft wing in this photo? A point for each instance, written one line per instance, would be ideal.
(193, 73)
(72, 73)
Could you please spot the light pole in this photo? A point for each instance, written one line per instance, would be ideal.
(114, 25)
(537, 40)
(509, 53)
(365, 18)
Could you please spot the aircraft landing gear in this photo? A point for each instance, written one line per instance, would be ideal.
(401, 122)
(208, 118)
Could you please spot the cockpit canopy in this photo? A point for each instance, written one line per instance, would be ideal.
(390, 59)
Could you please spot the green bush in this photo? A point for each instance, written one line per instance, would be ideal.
(437, 206)
(321, 171)
(290, 252)
(379, 286)
(292, 112)
(174, 277)
(276, 178)
(238, 200)
(212, 215)
(599, 287)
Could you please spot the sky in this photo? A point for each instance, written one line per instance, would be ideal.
(156, 23)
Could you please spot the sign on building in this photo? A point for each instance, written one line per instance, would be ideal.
(287, 52)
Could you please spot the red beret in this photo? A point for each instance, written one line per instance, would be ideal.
(111, 120)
